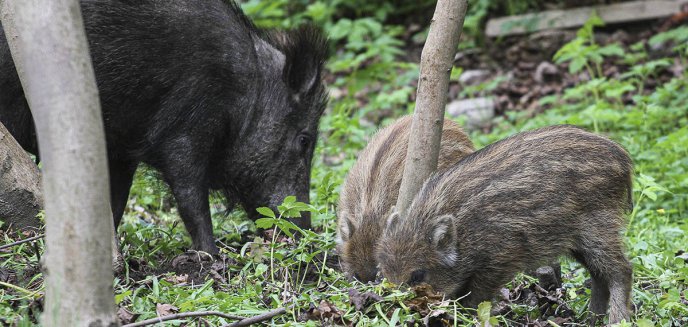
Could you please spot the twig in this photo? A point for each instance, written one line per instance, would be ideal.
(22, 241)
(19, 289)
(184, 315)
(256, 319)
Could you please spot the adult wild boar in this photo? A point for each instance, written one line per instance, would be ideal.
(513, 205)
(195, 90)
(372, 186)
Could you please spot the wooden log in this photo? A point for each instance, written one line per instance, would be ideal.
(568, 18)
(21, 195)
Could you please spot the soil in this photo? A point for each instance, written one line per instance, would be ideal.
(527, 72)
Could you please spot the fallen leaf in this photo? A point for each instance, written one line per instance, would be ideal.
(362, 300)
(326, 311)
(165, 309)
(125, 316)
(425, 295)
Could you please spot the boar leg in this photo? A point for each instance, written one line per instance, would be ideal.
(121, 176)
(620, 286)
(192, 202)
(482, 287)
(184, 171)
(611, 286)
(599, 298)
(611, 272)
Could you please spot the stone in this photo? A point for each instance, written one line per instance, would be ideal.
(474, 76)
(478, 111)
(546, 72)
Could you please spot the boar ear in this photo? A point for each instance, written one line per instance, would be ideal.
(444, 238)
(302, 77)
(392, 221)
(346, 229)
(305, 49)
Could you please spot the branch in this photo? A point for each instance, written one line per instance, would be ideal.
(30, 239)
(426, 128)
(19, 289)
(184, 315)
(256, 319)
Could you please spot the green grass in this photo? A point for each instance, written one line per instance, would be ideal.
(263, 274)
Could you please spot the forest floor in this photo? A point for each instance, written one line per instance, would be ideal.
(629, 83)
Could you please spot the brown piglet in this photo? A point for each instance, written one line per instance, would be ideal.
(516, 204)
(372, 186)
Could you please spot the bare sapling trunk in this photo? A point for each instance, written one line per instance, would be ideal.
(435, 67)
(21, 196)
(48, 43)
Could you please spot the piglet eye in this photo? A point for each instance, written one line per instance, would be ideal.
(417, 277)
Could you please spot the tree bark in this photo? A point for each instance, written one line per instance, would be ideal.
(426, 128)
(21, 196)
(49, 43)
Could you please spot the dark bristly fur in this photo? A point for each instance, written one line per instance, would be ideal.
(195, 90)
(372, 186)
(513, 205)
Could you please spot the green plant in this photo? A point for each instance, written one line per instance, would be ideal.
(584, 52)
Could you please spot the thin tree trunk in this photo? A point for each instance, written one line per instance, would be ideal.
(21, 196)
(426, 128)
(49, 43)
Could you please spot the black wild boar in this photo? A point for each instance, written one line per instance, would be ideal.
(195, 90)
(372, 186)
(513, 205)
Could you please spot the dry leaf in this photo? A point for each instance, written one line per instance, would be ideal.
(165, 309)
(362, 300)
(125, 316)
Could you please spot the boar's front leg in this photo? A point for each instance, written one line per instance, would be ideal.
(186, 173)
(121, 176)
(482, 286)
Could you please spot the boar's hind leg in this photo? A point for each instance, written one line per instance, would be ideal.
(121, 176)
(610, 271)
(620, 291)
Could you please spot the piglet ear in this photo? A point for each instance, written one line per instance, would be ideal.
(305, 49)
(346, 229)
(444, 238)
(392, 222)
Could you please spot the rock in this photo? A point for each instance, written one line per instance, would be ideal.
(478, 111)
(546, 72)
(683, 255)
(474, 76)
(547, 277)
(21, 193)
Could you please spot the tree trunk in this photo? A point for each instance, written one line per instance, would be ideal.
(435, 67)
(58, 79)
(21, 196)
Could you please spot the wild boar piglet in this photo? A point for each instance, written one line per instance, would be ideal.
(372, 186)
(512, 206)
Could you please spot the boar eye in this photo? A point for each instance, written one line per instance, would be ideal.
(417, 277)
(304, 141)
